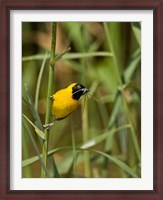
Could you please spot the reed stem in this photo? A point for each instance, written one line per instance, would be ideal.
(49, 102)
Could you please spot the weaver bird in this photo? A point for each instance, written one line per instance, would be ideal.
(65, 101)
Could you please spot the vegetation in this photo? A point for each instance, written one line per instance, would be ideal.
(102, 138)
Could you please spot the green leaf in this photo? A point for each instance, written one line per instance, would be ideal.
(39, 157)
(132, 66)
(35, 57)
(136, 26)
(102, 137)
(31, 160)
(85, 146)
(38, 131)
(87, 55)
(34, 113)
(69, 56)
(75, 34)
(53, 167)
(119, 163)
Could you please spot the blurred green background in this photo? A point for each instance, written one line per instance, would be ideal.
(102, 138)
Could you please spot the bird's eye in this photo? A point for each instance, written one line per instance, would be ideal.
(78, 86)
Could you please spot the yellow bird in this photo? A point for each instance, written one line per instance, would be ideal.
(65, 101)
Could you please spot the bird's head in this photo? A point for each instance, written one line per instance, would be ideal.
(78, 90)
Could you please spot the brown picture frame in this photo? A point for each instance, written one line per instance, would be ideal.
(6, 7)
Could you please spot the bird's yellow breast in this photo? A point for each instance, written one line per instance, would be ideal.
(63, 103)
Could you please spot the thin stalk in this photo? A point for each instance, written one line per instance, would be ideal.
(86, 138)
(25, 153)
(35, 148)
(74, 148)
(119, 163)
(133, 129)
(87, 55)
(90, 144)
(70, 55)
(115, 59)
(49, 102)
(113, 52)
(39, 80)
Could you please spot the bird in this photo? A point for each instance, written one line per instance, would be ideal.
(65, 101)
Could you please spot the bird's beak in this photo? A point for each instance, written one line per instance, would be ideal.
(85, 90)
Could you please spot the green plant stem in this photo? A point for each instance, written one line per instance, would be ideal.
(119, 163)
(74, 149)
(70, 55)
(85, 138)
(89, 144)
(25, 125)
(133, 129)
(49, 102)
(39, 80)
(115, 59)
(25, 152)
(108, 36)
(115, 160)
